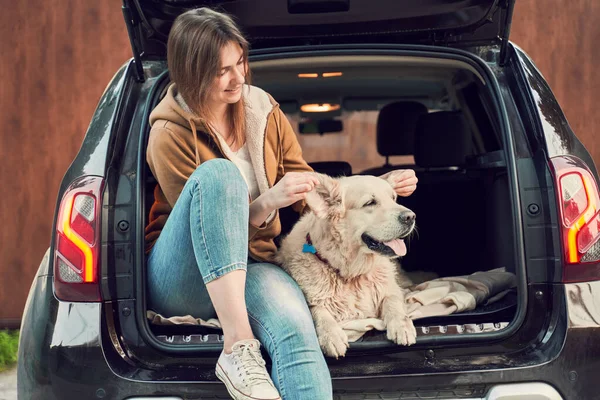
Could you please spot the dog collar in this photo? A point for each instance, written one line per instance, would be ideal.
(310, 248)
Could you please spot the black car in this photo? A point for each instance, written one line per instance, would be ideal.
(503, 183)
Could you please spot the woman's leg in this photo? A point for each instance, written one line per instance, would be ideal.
(199, 261)
(198, 264)
(281, 320)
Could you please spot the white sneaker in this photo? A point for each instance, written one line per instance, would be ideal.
(244, 374)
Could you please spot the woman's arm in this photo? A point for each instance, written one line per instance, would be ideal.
(293, 160)
(289, 190)
(291, 186)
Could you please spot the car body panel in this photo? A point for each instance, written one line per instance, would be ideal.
(552, 127)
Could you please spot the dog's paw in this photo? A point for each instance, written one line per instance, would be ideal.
(401, 330)
(333, 341)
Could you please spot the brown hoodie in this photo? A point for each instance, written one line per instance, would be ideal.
(180, 141)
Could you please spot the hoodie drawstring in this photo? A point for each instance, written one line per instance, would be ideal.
(193, 126)
(280, 167)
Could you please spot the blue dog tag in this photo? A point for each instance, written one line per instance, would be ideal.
(309, 248)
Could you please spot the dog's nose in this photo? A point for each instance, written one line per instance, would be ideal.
(407, 217)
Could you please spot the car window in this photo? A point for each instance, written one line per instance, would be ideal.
(356, 144)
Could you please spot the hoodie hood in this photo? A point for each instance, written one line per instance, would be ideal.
(171, 109)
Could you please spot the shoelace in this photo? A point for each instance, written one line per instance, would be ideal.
(252, 364)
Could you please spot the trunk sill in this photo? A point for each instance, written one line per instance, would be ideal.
(423, 332)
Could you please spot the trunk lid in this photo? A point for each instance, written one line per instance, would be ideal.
(268, 23)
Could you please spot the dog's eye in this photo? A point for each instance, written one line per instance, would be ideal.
(371, 202)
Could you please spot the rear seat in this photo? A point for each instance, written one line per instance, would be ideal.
(332, 168)
(396, 124)
(443, 141)
(449, 200)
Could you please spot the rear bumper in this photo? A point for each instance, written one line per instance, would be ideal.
(520, 391)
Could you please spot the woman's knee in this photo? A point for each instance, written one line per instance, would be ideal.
(221, 175)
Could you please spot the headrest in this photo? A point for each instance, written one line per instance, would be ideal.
(396, 128)
(332, 168)
(443, 139)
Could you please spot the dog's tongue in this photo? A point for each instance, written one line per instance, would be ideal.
(398, 246)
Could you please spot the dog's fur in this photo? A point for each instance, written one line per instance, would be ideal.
(356, 281)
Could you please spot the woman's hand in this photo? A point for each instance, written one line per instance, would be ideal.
(290, 189)
(404, 181)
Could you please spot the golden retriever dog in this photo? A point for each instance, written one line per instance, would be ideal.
(342, 253)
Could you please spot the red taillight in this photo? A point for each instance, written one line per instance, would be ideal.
(78, 242)
(579, 206)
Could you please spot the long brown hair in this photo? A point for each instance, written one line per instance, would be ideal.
(194, 59)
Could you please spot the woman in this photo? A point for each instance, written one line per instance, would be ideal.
(226, 159)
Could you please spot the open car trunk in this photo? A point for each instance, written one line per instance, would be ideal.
(463, 202)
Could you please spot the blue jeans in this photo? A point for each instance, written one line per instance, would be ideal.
(204, 238)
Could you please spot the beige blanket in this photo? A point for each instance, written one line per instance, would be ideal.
(443, 296)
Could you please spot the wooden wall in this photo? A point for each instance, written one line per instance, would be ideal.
(58, 56)
(559, 36)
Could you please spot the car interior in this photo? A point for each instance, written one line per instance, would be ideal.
(374, 114)
(428, 115)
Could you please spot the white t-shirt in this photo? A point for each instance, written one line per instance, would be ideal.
(241, 159)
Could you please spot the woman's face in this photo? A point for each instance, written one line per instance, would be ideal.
(227, 88)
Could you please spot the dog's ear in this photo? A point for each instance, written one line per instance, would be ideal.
(326, 199)
(389, 178)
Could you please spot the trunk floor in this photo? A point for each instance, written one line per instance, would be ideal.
(501, 311)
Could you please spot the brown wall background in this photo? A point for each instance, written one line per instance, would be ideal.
(562, 39)
(58, 56)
